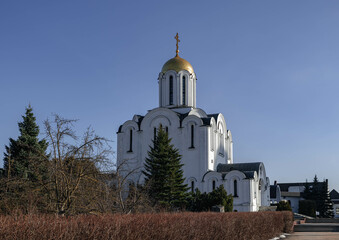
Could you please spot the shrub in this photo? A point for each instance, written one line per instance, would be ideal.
(207, 225)
(205, 201)
(284, 206)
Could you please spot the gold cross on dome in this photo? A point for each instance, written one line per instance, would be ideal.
(177, 38)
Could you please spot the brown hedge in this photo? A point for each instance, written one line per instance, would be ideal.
(207, 225)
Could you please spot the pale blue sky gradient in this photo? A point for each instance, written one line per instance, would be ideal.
(271, 67)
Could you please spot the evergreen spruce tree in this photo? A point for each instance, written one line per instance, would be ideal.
(307, 192)
(164, 174)
(319, 194)
(26, 156)
(327, 205)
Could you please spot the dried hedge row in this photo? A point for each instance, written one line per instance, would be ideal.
(207, 225)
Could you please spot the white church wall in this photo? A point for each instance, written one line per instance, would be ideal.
(221, 148)
(266, 194)
(193, 156)
(241, 197)
(254, 206)
(209, 178)
(229, 146)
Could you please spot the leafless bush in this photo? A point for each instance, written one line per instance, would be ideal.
(261, 225)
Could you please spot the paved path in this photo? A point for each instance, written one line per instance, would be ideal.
(314, 236)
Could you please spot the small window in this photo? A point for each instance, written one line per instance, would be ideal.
(192, 186)
(130, 140)
(154, 133)
(235, 188)
(171, 90)
(192, 136)
(166, 129)
(213, 184)
(183, 90)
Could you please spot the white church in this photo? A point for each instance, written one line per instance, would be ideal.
(202, 139)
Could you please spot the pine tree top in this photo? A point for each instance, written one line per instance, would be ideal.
(28, 126)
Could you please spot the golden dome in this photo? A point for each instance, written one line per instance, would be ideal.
(177, 64)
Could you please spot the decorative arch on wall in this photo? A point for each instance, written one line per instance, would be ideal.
(209, 177)
(212, 180)
(161, 119)
(129, 124)
(192, 183)
(191, 124)
(197, 112)
(235, 182)
(129, 129)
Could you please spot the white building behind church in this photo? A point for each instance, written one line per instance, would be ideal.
(202, 139)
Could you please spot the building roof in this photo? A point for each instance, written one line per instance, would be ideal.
(206, 121)
(334, 194)
(242, 167)
(214, 115)
(177, 64)
(285, 186)
(248, 169)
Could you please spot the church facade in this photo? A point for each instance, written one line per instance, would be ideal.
(203, 140)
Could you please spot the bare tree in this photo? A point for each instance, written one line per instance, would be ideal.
(74, 166)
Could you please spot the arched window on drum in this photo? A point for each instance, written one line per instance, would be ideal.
(171, 90)
(221, 140)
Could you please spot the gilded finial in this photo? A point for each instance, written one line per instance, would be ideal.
(177, 38)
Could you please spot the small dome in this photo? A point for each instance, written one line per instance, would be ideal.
(177, 64)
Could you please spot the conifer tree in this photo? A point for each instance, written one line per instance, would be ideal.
(319, 194)
(164, 174)
(327, 206)
(26, 156)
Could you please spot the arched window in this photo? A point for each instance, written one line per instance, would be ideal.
(212, 138)
(192, 186)
(130, 140)
(235, 188)
(183, 90)
(166, 129)
(154, 133)
(192, 136)
(213, 184)
(171, 90)
(221, 140)
(221, 149)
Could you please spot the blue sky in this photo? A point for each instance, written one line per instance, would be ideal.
(271, 67)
